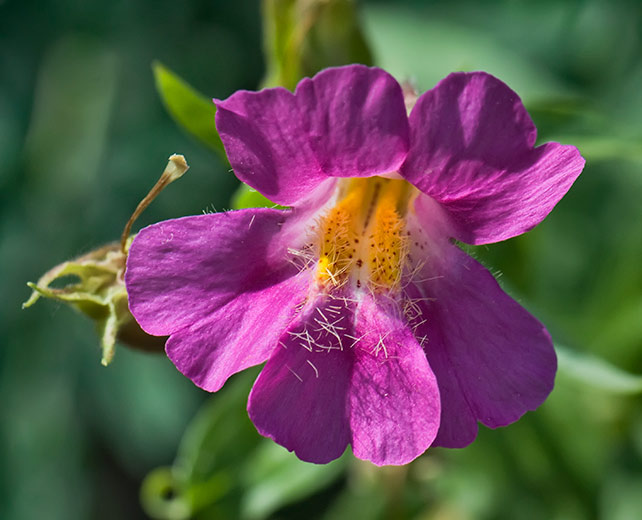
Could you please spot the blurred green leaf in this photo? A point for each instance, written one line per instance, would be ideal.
(190, 109)
(70, 117)
(210, 456)
(596, 372)
(158, 497)
(364, 503)
(140, 406)
(621, 497)
(221, 435)
(414, 44)
(602, 147)
(224, 469)
(246, 197)
(304, 36)
(276, 478)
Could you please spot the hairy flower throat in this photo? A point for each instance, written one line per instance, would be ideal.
(362, 238)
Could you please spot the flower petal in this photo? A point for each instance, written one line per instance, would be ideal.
(214, 281)
(356, 120)
(181, 270)
(241, 334)
(472, 150)
(342, 377)
(300, 398)
(266, 144)
(394, 398)
(346, 122)
(493, 360)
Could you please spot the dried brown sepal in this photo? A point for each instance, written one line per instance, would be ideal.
(96, 288)
(94, 283)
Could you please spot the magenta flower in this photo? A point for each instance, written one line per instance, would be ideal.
(377, 330)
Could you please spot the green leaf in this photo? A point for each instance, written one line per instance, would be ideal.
(211, 456)
(276, 478)
(597, 373)
(415, 44)
(221, 435)
(189, 108)
(224, 469)
(246, 197)
(621, 498)
(600, 147)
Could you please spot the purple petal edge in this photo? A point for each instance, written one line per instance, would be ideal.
(493, 360)
(207, 281)
(322, 390)
(345, 121)
(472, 150)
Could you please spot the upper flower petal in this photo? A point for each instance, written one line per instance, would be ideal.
(493, 360)
(472, 150)
(355, 119)
(345, 122)
(220, 285)
(266, 144)
(348, 372)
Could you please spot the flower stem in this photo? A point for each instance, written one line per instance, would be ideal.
(176, 167)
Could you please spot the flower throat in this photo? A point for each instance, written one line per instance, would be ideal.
(362, 239)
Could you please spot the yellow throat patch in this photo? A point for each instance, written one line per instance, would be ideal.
(362, 239)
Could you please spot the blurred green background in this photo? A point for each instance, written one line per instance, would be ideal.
(84, 135)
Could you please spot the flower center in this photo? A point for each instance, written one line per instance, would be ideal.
(362, 239)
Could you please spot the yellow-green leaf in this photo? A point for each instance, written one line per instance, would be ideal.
(189, 108)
